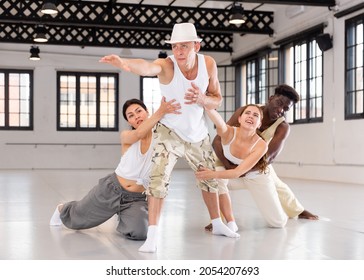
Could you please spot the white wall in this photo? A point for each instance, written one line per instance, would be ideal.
(331, 150)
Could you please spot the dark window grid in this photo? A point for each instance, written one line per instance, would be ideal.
(354, 82)
(315, 83)
(228, 91)
(262, 78)
(308, 81)
(18, 109)
(354, 99)
(300, 77)
(272, 80)
(251, 82)
(85, 100)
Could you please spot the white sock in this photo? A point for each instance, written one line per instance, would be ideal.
(232, 226)
(56, 218)
(150, 245)
(219, 228)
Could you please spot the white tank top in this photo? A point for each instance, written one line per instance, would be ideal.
(229, 155)
(134, 165)
(268, 133)
(191, 125)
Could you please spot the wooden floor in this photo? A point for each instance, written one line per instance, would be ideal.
(29, 197)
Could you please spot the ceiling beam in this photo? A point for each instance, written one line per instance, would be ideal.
(323, 3)
(91, 23)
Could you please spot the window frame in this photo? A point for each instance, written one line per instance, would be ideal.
(154, 104)
(98, 76)
(263, 68)
(310, 42)
(226, 83)
(6, 73)
(353, 23)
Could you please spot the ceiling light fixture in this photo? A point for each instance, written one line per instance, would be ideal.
(40, 36)
(34, 53)
(162, 54)
(49, 7)
(236, 14)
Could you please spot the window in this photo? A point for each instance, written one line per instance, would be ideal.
(261, 76)
(16, 100)
(354, 67)
(229, 91)
(151, 94)
(306, 58)
(302, 66)
(87, 101)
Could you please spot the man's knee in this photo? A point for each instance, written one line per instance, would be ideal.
(278, 223)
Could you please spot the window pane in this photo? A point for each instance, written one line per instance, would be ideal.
(87, 101)
(354, 68)
(151, 93)
(359, 33)
(2, 99)
(359, 55)
(68, 101)
(15, 99)
(359, 79)
(107, 104)
(360, 102)
(227, 85)
(308, 79)
(230, 74)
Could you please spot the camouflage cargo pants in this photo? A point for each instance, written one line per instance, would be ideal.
(168, 148)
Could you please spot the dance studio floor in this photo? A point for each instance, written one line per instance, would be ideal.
(29, 197)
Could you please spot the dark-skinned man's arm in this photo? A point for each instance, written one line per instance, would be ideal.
(277, 143)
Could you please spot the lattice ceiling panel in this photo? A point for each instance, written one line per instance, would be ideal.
(114, 24)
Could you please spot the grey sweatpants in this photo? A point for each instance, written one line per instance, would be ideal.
(105, 200)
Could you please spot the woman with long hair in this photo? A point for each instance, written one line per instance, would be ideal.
(243, 146)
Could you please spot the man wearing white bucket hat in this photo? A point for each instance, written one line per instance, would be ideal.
(192, 80)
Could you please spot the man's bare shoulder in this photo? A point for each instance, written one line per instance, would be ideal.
(283, 129)
(166, 75)
(164, 62)
(210, 61)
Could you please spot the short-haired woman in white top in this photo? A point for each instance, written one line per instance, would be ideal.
(123, 191)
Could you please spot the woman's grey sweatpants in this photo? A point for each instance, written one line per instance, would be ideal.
(105, 200)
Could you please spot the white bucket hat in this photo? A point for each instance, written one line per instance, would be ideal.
(183, 32)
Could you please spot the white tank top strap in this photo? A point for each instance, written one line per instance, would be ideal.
(256, 142)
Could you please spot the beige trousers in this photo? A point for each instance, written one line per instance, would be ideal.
(273, 197)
